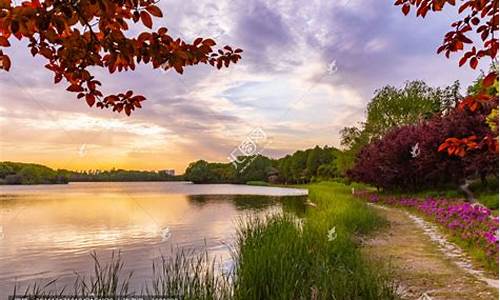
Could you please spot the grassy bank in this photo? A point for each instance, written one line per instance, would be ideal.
(317, 258)
(277, 257)
(258, 183)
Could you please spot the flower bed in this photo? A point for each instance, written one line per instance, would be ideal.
(472, 224)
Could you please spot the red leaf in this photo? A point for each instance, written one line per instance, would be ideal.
(463, 7)
(406, 8)
(5, 63)
(209, 42)
(197, 41)
(90, 99)
(442, 147)
(154, 10)
(463, 60)
(74, 88)
(111, 99)
(57, 78)
(146, 19)
(4, 42)
(138, 98)
(489, 79)
(464, 39)
(473, 63)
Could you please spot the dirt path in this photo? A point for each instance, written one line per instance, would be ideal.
(423, 266)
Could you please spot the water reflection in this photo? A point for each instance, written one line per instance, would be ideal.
(291, 204)
(49, 231)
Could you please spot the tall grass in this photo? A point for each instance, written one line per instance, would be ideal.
(107, 279)
(280, 258)
(189, 276)
(277, 257)
(183, 275)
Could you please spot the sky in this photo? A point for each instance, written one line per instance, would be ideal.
(308, 69)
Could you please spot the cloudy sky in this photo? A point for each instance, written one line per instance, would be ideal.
(308, 69)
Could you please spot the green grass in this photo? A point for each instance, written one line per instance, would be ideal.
(258, 183)
(281, 258)
(490, 201)
(277, 257)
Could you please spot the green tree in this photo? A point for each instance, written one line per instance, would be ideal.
(198, 172)
(313, 161)
(394, 107)
(256, 168)
(5, 170)
(298, 166)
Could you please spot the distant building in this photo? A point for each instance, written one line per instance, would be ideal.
(169, 172)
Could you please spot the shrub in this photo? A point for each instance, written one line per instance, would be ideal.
(407, 157)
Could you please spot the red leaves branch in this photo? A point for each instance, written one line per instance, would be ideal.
(483, 98)
(482, 103)
(52, 29)
(481, 19)
(459, 147)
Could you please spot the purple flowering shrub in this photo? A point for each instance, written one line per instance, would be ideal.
(472, 224)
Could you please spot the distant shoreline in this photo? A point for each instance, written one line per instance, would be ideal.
(17, 173)
(77, 181)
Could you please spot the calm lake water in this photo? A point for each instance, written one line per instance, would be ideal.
(49, 231)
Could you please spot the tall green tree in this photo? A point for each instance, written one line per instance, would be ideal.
(313, 161)
(394, 107)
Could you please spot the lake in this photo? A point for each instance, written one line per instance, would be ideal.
(49, 231)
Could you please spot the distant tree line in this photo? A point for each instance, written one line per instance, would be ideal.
(300, 167)
(24, 173)
(118, 175)
(27, 173)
